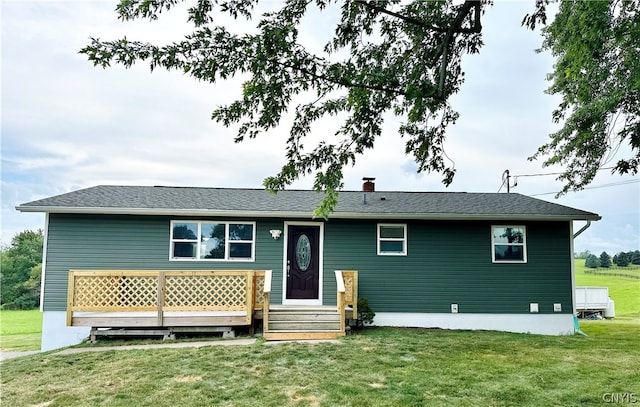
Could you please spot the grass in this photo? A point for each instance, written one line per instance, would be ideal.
(625, 292)
(380, 366)
(20, 330)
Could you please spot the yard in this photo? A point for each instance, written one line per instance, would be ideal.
(379, 366)
(624, 291)
(20, 330)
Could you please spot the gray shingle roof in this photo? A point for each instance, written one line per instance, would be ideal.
(301, 203)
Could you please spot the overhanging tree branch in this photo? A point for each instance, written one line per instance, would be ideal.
(372, 6)
(407, 63)
(476, 27)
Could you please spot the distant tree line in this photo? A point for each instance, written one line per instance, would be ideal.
(620, 259)
(20, 271)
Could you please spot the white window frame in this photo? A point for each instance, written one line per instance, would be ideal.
(523, 245)
(404, 239)
(227, 242)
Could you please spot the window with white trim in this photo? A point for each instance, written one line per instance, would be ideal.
(509, 244)
(207, 240)
(392, 239)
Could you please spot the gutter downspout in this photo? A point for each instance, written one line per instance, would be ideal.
(585, 227)
(576, 325)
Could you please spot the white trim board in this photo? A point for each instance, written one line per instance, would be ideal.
(43, 275)
(285, 239)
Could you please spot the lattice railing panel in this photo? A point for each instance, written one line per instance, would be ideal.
(348, 287)
(350, 279)
(258, 289)
(137, 290)
(115, 292)
(205, 292)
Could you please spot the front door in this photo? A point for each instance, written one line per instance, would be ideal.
(303, 262)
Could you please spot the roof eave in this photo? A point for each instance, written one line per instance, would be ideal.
(303, 214)
(464, 216)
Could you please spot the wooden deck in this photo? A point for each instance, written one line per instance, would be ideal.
(158, 298)
(149, 319)
(201, 298)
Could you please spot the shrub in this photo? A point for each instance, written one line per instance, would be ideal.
(365, 313)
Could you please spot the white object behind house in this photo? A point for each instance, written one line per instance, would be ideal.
(595, 299)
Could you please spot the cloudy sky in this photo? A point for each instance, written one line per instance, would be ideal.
(67, 125)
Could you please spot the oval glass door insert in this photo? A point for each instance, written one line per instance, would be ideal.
(303, 252)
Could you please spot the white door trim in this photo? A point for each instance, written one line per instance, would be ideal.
(285, 239)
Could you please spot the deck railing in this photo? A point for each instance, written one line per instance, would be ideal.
(258, 289)
(241, 292)
(164, 290)
(266, 296)
(350, 278)
(347, 294)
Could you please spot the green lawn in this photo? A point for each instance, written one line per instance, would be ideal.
(20, 330)
(624, 291)
(379, 367)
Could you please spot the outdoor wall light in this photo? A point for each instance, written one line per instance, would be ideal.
(275, 233)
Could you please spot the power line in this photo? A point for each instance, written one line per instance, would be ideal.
(542, 174)
(506, 179)
(614, 184)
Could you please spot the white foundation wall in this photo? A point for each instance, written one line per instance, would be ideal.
(544, 324)
(56, 334)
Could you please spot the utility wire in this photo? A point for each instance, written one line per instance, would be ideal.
(554, 173)
(505, 180)
(614, 184)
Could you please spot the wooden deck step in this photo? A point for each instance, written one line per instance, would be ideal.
(303, 316)
(303, 326)
(302, 308)
(300, 336)
(303, 322)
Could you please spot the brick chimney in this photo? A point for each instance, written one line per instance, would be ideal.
(368, 185)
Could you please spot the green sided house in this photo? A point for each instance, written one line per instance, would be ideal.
(150, 257)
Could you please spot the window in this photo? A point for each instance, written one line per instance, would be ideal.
(392, 239)
(509, 244)
(194, 240)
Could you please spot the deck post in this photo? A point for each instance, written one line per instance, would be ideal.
(70, 297)
(160, 297)
(265, 306)
(249, 296)
(340, 299)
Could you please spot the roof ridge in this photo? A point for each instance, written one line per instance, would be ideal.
(217, 201)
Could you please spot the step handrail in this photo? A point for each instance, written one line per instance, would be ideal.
(340, 298)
